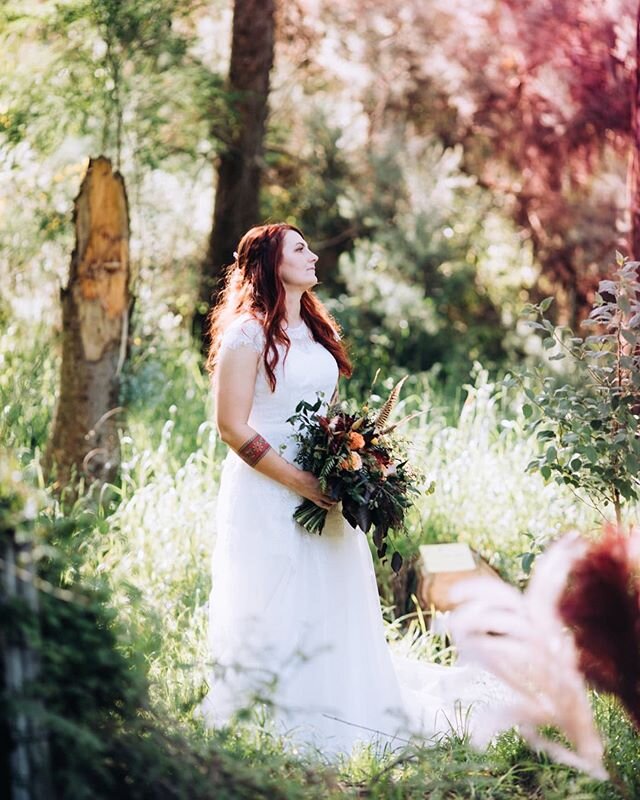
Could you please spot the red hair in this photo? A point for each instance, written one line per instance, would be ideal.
(253, 287)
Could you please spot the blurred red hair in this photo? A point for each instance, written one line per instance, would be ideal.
(253, 287)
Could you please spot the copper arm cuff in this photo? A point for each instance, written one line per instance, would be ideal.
(254, 449)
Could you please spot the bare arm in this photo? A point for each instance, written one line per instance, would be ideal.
(236, 373)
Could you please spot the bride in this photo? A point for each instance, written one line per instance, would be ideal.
(295, 620)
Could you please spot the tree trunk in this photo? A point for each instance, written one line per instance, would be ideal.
(95, 308)
(237, 202)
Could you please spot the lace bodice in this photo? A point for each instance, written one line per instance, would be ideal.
(307, 370)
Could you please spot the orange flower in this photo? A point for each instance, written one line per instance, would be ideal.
(351, 462)
(355, 440)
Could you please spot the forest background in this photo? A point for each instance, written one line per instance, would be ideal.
(450, 162)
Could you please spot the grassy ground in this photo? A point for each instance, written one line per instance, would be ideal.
(150, 542)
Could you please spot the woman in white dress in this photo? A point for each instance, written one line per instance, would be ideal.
(295, 619)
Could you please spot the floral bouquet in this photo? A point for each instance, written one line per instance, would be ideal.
(359, 463)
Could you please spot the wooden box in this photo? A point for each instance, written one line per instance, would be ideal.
(440, 567)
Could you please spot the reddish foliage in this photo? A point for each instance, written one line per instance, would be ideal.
(553, 106)
(540, 94)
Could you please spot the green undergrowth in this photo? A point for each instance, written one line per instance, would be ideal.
(126, 667)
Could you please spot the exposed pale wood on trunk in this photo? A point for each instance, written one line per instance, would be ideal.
(95, 307)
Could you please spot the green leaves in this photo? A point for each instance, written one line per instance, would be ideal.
(588, 429)
(545, 304)
(527, 562)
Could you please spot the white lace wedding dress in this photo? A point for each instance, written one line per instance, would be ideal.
(295, 618)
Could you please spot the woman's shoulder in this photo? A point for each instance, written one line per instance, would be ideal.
(244, 331)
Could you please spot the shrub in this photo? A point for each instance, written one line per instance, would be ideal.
(588, 428)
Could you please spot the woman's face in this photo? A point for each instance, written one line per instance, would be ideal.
(298, 264)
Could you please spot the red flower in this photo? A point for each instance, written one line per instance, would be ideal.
(381, 458)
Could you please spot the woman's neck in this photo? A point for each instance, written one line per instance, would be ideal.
(292, 303)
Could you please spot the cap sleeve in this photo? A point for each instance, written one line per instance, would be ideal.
(246, 332)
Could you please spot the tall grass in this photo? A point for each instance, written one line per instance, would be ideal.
(157, 553)
(483, 494)
(28, 385)
(154, 539)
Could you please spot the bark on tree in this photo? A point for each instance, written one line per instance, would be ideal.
(240, 165)
(95, 309)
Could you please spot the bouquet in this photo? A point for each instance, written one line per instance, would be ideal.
(358, 462)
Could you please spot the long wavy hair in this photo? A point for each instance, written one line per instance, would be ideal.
(252, 286)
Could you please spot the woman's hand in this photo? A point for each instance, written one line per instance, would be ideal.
(308, 486)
